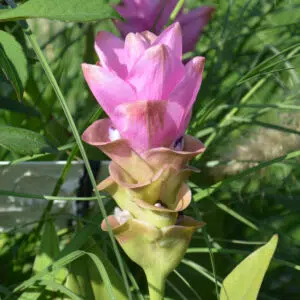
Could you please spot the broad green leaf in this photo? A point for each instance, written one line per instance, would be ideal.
(98, 284)
(49, 251)
(84, 278)
(101, 270)
(55, 267)
(24, 141)
(78, 280)
(245, 280)
(61, 263)
(59, 287)
(13, 62)
(49, 248)
(64, 10)
(82, 236)
(15, 106)
(31, 294)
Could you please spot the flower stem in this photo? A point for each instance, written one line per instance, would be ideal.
(156, 285)
(36, 48)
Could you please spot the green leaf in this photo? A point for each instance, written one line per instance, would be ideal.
(13, 62)
(49, 251)
(245, 280)
(64, 10)
(55, 267)
(84, 277)
(31, 294)
(15, 106)
(23, 141)
(59, 287)
(78, 280)
(98, 284)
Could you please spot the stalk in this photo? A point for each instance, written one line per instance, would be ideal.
(156, 285)
(36, 48)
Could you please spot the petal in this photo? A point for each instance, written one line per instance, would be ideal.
(203, 13)
(119, 150)
(135, 46)
(170, 195)
(157, 251)
(110, 50)
(158, 157)
(164, 11)
(145, 124)
(109, 89)
(184, 197)
(171, 37)
(192, 25)
(137, 8)
(149, 36)
(157, 218)
(156, 73)
(185, 93)
(149, 190)
(133, 24)
(132, 230)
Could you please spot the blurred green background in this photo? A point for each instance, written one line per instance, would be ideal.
(247, 114)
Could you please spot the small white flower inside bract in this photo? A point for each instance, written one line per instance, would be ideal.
(113, 134)
(178, 144)
(122, 216)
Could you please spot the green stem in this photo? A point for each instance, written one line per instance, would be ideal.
(53, 82)
(156, 286)
(176, 11)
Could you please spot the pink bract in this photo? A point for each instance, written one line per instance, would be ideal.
(153, 15)
(143, 86)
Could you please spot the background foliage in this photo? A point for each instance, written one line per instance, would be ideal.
(247, 114)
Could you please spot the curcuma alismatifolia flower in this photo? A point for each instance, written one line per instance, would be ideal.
(141, 15)
(147, 93)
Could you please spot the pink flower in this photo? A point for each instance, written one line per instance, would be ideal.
(143, 86)
(153, 15)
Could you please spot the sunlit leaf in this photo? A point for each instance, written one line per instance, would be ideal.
(24, 141)
(245, 280)
(13, 62)
(48, 251)
(31, 294)
(64, 10)
(98, 286)
(59, 287)
(78, 280)
(84, 279)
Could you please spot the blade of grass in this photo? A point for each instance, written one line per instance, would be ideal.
(134, 283)
(209, 246)
(37, 156)
(234, 110)
(201, 270)
(208, 191)
(32, 40)
(176, 11)
(45, 197)
(65, 260)
(176, 290)
(236, 215)
(188, 285)
(238, 251)
(61, 288)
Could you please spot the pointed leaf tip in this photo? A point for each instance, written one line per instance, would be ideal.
(245, 280)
